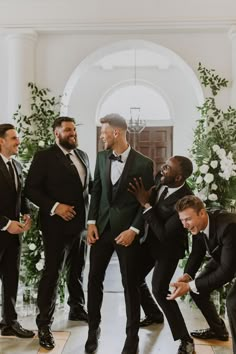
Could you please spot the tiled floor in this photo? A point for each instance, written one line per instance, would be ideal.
(71, 336)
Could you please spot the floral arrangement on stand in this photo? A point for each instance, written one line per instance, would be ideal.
(35, 132)
(214, 148)
(214, 156)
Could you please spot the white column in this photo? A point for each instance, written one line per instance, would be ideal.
(21, 69)
(232, 36)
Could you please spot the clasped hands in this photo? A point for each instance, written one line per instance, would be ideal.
(125, 238)
(181, 287)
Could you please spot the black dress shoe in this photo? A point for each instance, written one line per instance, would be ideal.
(186, 347)
(92, 341)
(16, 330)
(209, 334)
(78, 315)
(130, 346)
(46, 339)
(149, 320)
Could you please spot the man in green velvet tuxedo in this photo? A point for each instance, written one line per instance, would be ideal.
(115, 221)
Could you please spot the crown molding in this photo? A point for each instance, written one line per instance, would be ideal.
(160, 26)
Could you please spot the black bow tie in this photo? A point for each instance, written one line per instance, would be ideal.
(115, 158)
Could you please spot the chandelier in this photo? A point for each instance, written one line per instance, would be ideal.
(135, 124)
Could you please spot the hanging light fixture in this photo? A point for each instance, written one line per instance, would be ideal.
(135, 124)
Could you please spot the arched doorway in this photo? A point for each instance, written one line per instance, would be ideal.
(166, 72)
(156, 140)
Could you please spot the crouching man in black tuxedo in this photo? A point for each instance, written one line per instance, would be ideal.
(165, 244)
(213, 233)
(12, 204)
(58, 182)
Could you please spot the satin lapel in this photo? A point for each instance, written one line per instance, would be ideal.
(19, 176)
(108, 177)
(64, 160)
(81, 158)
(4, 171)
(128, 166)
(212, 232)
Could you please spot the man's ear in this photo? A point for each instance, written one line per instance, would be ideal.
(178, 178)
(116, 132)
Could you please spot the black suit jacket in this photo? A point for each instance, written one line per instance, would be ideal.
(222, 248)
(52, 179)
(12, 202)
(166, 233)
(120, 209)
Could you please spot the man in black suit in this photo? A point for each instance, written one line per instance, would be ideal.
(12, 204)
(58, 182)
(165, 244)
(115, 220)
(213, 234)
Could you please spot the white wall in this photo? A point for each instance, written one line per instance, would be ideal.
(58, 54)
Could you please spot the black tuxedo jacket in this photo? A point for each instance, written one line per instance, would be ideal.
(52, 179)
(12, 202)
(120, 209)
(222, 249)
(166, 233)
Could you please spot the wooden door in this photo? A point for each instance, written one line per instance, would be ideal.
(154, 142)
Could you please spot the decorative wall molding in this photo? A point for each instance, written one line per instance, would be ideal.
(160, 26)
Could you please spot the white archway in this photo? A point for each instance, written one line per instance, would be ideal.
(84, 66)
(92, 81)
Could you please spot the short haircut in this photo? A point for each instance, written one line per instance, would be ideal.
(185, 165)
(4, 128)
(115, 120)
(58, 121)
(189, 201)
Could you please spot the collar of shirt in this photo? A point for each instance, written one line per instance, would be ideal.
(65, 152)
(5, 159)
(207, 229)
(124, 154)
(170, 190)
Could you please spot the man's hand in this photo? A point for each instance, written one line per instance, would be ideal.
(15, 227)
(66, 212)
(92, 234)
(125, 238)
(184, 278)
(27, 222)
(181, 289)
(141, 194)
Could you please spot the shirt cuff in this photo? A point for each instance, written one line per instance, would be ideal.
(137, 231)
(91, 222)
(193, 287)
(54, 208)
(145, 210)
(6, 226)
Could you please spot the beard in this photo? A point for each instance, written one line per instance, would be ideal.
(65, 143)
(168, 180)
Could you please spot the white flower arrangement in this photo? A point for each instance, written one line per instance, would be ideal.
(214, 149)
